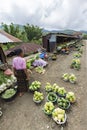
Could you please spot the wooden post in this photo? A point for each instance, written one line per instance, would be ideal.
(3, 66)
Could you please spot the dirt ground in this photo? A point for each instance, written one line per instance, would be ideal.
(24, 114)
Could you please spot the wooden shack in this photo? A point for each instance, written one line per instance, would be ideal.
(51, 40)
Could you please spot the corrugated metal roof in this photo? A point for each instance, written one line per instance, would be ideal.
(5, 37)
(61, 35)
(27, 48)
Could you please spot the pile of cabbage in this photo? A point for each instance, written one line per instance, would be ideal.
(9, 93)
(6, 81)
(77, 55)
(55, 88)
(70, 96)
(52, 97)
(59, 115)
(69, 77)
(29, 63)
(63, 103)
(35, 86)
(40, 70)
(65, 99)
(60, 91)
(76, 64)
(31, 60)
(48, 108)
(38, 97)
(55, 96)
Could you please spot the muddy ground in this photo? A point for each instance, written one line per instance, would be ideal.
(24, 114)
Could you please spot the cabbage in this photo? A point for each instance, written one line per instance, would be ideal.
(8, 93)
(13, 79)
(76, 64)
(77, 55)
(55, 88)
(35, 85)
(58, 115)
(62, 91)
(48, 107)
(48, 87)
(65, 77)
(71, 97)
(72, 78)
(2, 87)
(38, 96)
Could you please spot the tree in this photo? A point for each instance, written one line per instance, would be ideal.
(5, 27)
(33, 32)
(85, 36)
(29, 33)
(15, 31)
(23, 36)
(11, 29)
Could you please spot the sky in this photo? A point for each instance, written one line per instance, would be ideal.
(49, 14)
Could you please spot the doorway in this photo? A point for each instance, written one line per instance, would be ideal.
(48, 46)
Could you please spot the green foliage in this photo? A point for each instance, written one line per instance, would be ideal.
(23, 36)
(85, 36)
(5, 27)
(33, 32)
(37, 41)
(11, 29)
(29, 33)
(8, 46)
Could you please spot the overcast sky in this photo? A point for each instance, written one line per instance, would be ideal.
(50, 14)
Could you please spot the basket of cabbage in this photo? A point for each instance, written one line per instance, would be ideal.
(65, 77)
(70, 96)
(40, 70)
(62, 92)
(52, 97)
(35, 86)
(55, 88)
(38, 97)
(76, 64)
(72, 78)
(9, 94)
(48, 87)
(48, 108)
(63, 103)
(59, 116)
(77, 55)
